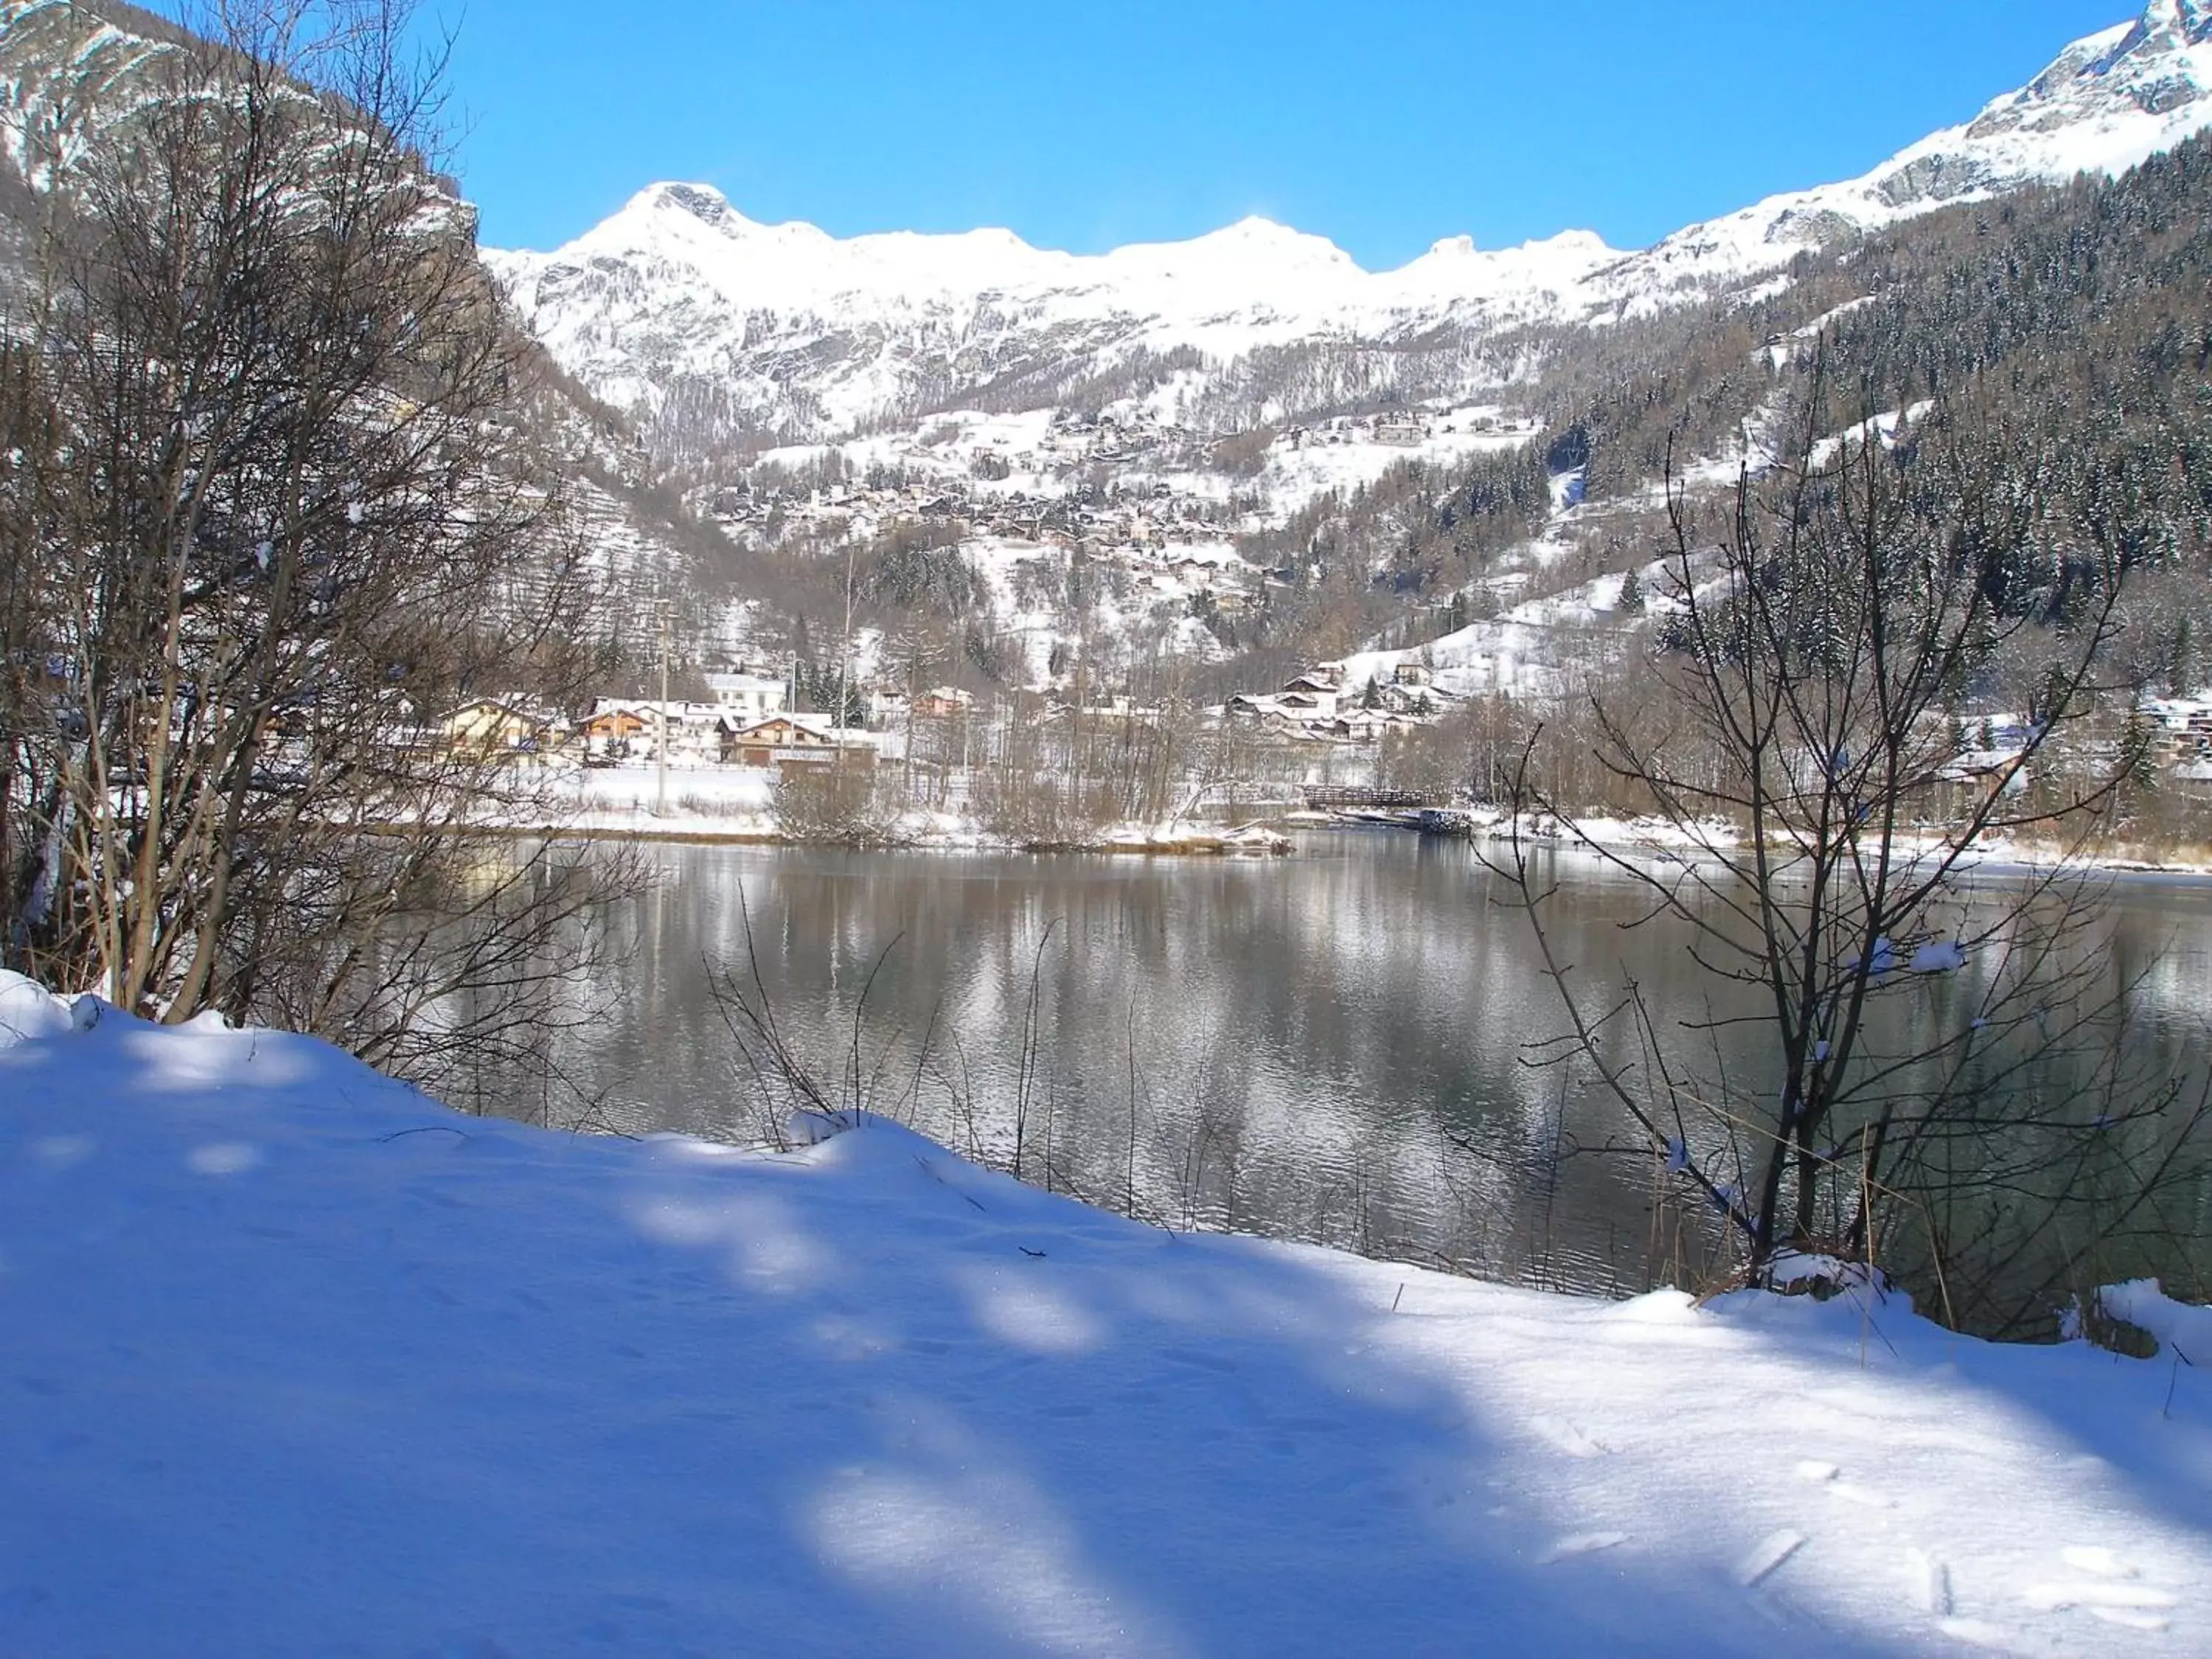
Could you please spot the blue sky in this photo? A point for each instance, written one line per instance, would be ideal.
(1384, 124)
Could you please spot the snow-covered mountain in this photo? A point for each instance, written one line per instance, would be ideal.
(2107, 103)
(805, 329)
(70, 68)
(678, 301)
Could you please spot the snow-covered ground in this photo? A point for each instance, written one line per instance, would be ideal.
(1296, 474)
(299, 1363)
(737, 802)
(702, 801)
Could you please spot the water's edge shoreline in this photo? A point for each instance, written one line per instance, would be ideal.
(1272, 841)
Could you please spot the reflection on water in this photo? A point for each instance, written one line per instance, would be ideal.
(1331, 1047)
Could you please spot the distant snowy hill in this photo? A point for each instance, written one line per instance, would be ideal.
(680, 308)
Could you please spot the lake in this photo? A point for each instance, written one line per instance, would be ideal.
(1334, 1046)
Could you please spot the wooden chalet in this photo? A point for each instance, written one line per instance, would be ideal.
(611, 726)
(784, 740)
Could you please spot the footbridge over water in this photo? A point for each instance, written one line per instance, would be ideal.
(1357, 798)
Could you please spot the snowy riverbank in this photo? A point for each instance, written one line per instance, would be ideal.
(1992, 854)
(298, 1362)
(737, 805)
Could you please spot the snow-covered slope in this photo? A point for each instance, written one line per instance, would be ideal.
(297, 1361)
(785, 326)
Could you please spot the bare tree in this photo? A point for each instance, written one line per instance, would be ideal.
(837, 804)
(1937, 1071)
(283, 517)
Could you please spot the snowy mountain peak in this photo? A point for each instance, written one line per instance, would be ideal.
(1572, 242)
(2189, 21)
(788, 327)
(2156, 46)
(702, 202)
(1254, 250)
(1252, 228)
(2106, 103)
(1565, 244)
(1271, 240)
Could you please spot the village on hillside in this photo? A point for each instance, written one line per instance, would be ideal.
(750, 719)
(1319, 730)
(1157, 507)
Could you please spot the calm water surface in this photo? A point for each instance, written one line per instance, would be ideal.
(1332, 1045)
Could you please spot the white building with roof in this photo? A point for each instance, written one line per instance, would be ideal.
(747, 697)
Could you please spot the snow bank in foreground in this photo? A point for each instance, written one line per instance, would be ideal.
(297, 1361)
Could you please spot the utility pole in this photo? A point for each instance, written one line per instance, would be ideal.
(661, 712)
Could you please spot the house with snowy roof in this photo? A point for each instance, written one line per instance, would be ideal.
(785, 740)
(495, 723)
(747, 697)
(612, 726)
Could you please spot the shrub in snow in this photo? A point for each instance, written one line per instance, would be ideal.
(2101, 1323)
(29, 1009)
(1822, 1276)
(2137, 1318)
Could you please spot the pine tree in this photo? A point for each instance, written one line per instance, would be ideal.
(2139, 750)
